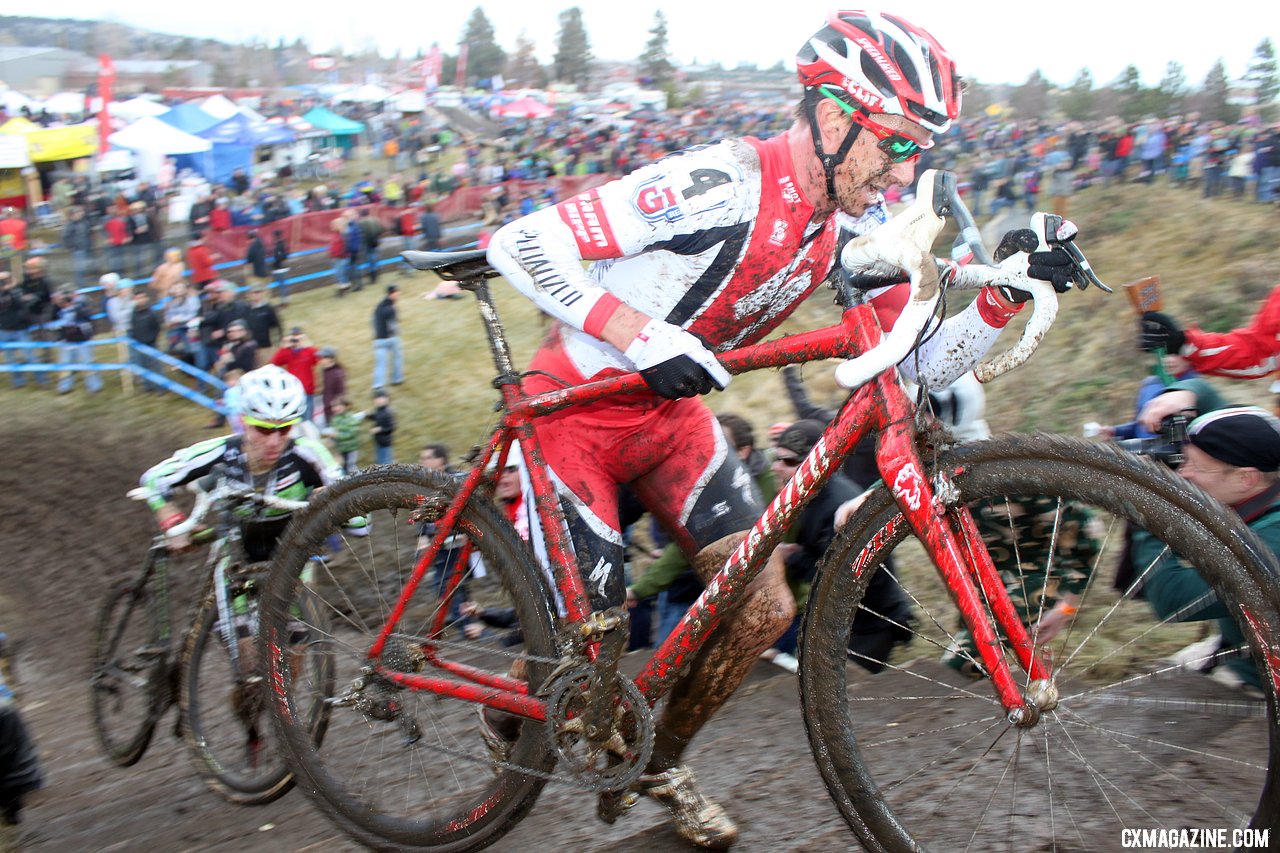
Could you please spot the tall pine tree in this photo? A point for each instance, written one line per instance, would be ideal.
(572, 62)
(1264, 78)
(485, 59)
(656, 69)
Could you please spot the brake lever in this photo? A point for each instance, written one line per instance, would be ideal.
(1052, 231)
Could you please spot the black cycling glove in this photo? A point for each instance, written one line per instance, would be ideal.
(1054, 266)
(679, 376)
(1159, 331)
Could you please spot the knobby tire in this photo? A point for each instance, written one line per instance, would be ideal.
(123, 684)
(389, 773)
(922, 757)
(218, 713)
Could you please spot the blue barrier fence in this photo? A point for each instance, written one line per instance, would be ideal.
(454, 230)
(164, 381)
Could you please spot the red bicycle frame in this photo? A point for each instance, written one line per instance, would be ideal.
(948, 532)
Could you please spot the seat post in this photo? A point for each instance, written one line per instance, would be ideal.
(498, 346)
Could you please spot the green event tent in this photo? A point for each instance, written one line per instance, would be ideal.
(343, 131)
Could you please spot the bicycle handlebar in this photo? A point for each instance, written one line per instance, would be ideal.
(207, 499)
(903, 244)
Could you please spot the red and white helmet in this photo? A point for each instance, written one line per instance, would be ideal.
(881, 63)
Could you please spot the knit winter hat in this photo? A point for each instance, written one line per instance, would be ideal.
(1240, 436)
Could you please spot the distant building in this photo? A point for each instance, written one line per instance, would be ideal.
(43, 71)
(37, 71)
(143, 75)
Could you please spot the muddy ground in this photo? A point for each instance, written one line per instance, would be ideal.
(67, 533)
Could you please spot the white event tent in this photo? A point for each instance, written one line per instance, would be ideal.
(151, 140)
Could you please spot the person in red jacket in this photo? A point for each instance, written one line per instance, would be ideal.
(1250, 352)
(220, 216)
(300, 358)
(200, 263)
(117, 230)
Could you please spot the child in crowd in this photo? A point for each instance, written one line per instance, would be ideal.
(343, 433)
(383, 428)
(231, 399)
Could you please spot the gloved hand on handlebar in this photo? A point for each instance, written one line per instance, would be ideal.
(675, 363)
(1054, 266)
(1159, 331)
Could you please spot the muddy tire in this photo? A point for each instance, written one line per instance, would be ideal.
(127, 675)
(226, 719)
(405, 769)
(1195, 752)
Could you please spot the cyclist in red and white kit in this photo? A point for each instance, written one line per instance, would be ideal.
(705, 250)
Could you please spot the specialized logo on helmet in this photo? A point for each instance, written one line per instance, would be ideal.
(862, 95)
(879, 58)
(656, 202)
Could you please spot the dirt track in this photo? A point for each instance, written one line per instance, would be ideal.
(68, 530)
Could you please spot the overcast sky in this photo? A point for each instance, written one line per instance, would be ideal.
(992, 40)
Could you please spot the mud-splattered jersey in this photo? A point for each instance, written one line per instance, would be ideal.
(718, 240)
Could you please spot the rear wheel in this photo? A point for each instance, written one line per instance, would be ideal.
(225, 704)
(923, 756)
(399, 768)
(128, 673)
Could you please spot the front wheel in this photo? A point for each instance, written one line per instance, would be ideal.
(400, 768)
(224, 703)
(1144, 734)
(128, 673)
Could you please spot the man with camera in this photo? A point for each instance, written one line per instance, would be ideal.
(299, 357)
(1233, 454)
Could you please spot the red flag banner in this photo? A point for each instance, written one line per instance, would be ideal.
(106, 80)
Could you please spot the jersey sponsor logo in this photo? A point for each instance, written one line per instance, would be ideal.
(546, 277)
(787, 187)
(288, 480)
(878, 58)
(584, 214)
(656, 202)
(778, 235)
(719, 509)
(909, 487)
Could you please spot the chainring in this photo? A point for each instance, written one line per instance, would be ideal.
(616, 763)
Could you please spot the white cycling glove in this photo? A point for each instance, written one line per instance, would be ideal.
(675, 363)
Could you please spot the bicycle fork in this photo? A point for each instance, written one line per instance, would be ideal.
(947, 529)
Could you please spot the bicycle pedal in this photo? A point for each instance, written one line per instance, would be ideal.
(614, 804)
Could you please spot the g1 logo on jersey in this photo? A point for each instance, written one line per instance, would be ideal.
(655, 201)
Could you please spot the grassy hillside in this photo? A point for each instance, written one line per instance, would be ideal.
(1215, 259)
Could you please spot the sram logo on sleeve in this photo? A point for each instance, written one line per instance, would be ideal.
(584, 214)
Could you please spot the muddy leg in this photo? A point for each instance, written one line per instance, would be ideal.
(728, 655)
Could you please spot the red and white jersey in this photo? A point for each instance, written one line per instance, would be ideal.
(718, 240)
